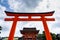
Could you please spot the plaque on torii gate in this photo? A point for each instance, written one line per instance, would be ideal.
(16, 18)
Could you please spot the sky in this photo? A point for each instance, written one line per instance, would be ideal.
(29, 6)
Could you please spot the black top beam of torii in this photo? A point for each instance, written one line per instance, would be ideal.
(29, 14)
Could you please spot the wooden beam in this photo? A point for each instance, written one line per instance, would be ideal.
(25, 19)
(29, 14)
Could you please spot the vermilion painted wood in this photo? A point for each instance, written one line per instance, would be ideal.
(11, 35)
(43, 19)
(25, 19)
(47, 33)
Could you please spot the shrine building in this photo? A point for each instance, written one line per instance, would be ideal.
(29, 33)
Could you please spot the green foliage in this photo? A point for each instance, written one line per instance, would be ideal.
(15, 38)
(53, 36)
(0, 28)
(7, 39)
(44, 38)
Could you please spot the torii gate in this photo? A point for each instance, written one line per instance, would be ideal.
(43, 19)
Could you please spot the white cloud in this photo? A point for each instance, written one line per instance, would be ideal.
(2, 22)
(6, 26)
(26, 6)
(2, 14)
(56, 30)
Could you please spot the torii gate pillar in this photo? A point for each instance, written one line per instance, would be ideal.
(43, 19)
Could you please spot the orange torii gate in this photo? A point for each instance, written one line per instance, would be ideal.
(43, 19)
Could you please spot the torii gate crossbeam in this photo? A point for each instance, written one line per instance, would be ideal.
(16, 18)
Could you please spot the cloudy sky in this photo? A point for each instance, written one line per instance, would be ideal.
(29, 6)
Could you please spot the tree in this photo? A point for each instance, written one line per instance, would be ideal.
(39, 37)
(0, 29)
(42, 36)
(53, 36)
(58, 36)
